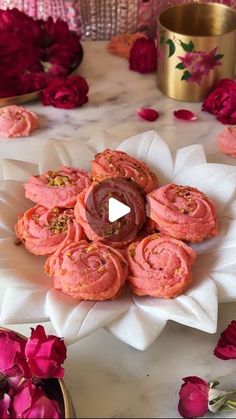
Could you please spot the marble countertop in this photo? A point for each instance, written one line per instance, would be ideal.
(107, 378)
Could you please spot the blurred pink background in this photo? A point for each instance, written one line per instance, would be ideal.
(100, 19)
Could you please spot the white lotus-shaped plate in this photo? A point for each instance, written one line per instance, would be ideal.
(27, 295)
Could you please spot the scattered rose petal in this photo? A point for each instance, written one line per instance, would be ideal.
(185, 114)
(148, 113)
(226, 347)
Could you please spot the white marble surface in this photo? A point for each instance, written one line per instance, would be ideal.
(107, 378)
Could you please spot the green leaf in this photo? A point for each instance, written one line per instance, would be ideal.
(186, 75)
(187, 47)
(171, 47)
(162, 40)
(180, 66)
(219, 56)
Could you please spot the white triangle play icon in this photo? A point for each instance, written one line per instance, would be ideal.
(116, 209)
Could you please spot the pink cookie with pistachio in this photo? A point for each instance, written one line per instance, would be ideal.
(57, 188)
(227, 141)
(113, 163)
(159, 266)
(16, 121)
(87, 271)
(183, 212)
(42, 230)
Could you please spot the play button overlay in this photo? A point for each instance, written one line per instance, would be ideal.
(115, 210)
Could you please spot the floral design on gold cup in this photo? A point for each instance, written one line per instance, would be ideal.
(196, 48)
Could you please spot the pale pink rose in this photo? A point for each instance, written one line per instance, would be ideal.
(45, 355)
(16, 121)
(31, 402)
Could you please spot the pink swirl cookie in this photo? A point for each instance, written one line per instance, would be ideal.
(87, 271)
(16, 121)
(111, 163)
(42, 230)
(183, 212)
(159, 266)
(227, 140)
(91, 211)
(57, 188)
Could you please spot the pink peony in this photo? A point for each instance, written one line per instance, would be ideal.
(31, 402)
(45, 354)
(13, 364)
(226, 347)
(193, 397)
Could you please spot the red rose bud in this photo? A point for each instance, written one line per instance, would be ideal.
(45, 354)
(65, 94)
(31, 402)
(143, 56)
(148, 113)
(193, 397)
(185, 114)
(221, 102)
(226, 347)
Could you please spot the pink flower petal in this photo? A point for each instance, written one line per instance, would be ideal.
(148, 113)
(185, 114)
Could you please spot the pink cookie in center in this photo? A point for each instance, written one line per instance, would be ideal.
(16, 121)
(57, 188)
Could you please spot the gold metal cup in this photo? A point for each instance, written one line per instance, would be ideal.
(196, 48)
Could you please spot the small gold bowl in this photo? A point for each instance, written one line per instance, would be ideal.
(197, 48)
(55, 389)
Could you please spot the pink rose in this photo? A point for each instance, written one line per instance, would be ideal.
(193, 397)
(66, 94)
(16, 121)
(4, 407)
(226, 347)
(143, 56)
(221, 102)
(31, 402)
(45, 354)
(14, 365)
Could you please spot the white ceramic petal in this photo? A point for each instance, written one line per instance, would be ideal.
(19, 170)
(150, 148)
(74, 320)
(197, 308)
(216, 180)
(57, 153)
(20, 268)
(23, 306)
(136, 328)
(102, 140)
(188, 157)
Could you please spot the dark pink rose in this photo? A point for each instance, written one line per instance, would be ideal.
(221, 102)
(143, 56)
(193, 397)
(66, 94)
(226, 347)
(13, 364)
(59, 32)
(31, 402)
(45, 354)
(31, 82)
(4, 407)
(65, 54)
